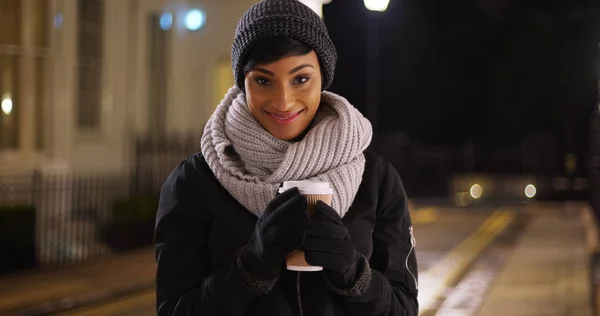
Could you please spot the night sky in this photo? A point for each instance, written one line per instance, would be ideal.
(490, 72)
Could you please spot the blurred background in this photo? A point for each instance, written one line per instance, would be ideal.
(484, 107)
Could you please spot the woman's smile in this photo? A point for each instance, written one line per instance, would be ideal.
(283, 118)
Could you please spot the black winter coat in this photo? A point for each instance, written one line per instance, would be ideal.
(200, 226)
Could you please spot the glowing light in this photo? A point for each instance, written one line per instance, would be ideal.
(377, 5)
(462, 199)
(476, 191)
(166, 21)
(194, 20)
(58, 20)
(7, 105)
(530, 191)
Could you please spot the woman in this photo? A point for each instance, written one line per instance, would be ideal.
(222, 232)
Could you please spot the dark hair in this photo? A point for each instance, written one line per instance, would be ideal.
(274, 49)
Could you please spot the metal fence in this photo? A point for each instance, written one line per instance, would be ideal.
(155, 158)
(72, 211)
(427, 170)
(63, 213)
(60, 217)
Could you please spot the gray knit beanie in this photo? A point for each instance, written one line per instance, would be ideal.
(282, 18)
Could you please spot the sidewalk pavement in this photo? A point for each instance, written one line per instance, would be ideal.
(547, 272)
(42, 292)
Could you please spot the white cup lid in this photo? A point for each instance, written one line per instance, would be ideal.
(308, 187)
(304, 268)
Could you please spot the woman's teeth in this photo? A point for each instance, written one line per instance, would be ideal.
(284, 119)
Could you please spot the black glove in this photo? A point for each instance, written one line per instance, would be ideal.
(328, 244)
(279, 231)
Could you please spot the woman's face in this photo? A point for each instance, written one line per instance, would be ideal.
(284, 95)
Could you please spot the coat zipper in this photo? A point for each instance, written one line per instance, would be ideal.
(300, 309)
(413, 243)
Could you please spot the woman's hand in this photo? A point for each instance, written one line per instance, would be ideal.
(279, 231)
(328, 244)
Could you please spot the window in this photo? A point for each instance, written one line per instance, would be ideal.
(41, 65)
(10, 51)
(90, 52)
(13, 67)
(223, 80)
(159, 39)
(41, 99)
(9, 117)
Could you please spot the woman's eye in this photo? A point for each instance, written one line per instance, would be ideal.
(262, 81)
(301, 79)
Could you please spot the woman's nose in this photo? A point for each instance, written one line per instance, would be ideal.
(283, 99)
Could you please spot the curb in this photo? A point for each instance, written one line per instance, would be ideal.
(456, 263)
(592, 243)
(78, 301)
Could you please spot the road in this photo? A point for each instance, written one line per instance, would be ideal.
(453, 251)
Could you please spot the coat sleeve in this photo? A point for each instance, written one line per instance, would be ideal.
(185, 281)
(394, 282)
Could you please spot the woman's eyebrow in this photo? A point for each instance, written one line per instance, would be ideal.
(300, 68)
(268, 72)
(296, 69)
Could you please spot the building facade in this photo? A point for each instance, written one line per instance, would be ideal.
(79, 81)
(79, 78)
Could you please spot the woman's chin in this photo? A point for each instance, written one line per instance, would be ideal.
(288, 134)
(285, 136)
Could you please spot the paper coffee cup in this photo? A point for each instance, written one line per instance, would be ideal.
(313, 191)
(308, 187)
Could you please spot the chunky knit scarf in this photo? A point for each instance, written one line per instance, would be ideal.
(251, 164)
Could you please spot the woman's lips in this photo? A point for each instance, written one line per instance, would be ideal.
(284, 118)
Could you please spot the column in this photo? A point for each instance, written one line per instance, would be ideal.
(64, 60)
(27, 83)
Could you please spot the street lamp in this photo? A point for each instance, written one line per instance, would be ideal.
(372, 95)
(316, 5)
(377, 5)
(195, 19)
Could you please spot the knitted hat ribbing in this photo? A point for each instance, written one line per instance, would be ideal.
(282, 18)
